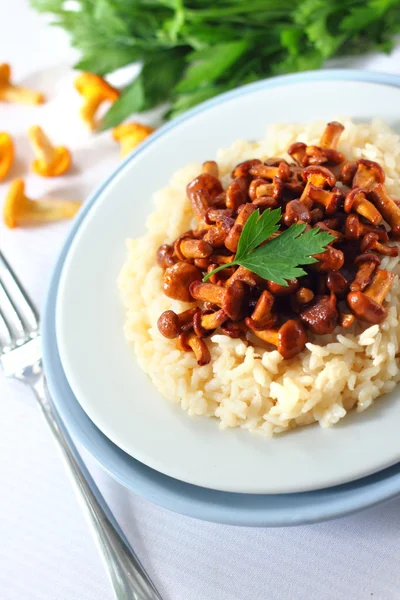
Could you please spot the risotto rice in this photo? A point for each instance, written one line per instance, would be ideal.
(246, 385)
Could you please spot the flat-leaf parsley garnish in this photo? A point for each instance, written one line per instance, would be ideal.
(281, 257)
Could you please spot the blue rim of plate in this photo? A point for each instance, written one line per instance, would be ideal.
(210, 505)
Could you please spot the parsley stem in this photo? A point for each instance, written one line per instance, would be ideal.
(217, 269)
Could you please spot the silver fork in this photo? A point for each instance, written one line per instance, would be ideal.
(20, 358)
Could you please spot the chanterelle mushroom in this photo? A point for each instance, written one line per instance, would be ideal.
(356, 200)
(231, 299)
(95, 91)
(170, 325)
(15, 93)
(367, 305)
(188, 341)
(6, 154)
(50, 161)
(177, 280)
(289, 339)
(130, 135)
(331, 135)
(317, 176)
(321, 316)
(19, 210)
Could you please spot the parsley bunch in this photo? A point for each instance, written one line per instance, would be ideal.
(192, 50)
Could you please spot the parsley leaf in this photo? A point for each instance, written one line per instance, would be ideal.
(149, 88)
(281, 258)
(256, 230)
(101, 64)
(131, 100)
(207, 65)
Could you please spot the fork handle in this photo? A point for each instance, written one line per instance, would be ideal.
(128, 577)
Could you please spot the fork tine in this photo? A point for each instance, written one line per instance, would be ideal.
(5, 334)
(16, 296)
(12, 320)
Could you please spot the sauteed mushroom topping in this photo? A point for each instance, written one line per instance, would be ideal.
(367, 305)
(171, 325)
(188, 341)
(177, 279)
(356, 201)
(289, 339)
(367, 263)
(339, 285)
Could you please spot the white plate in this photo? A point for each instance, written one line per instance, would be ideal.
(102, 370)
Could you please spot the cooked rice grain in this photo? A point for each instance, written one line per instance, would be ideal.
(251, 386)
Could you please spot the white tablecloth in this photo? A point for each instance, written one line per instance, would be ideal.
(46, 552)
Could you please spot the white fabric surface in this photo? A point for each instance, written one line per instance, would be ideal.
(46, 552)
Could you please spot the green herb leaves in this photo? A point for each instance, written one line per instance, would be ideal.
(192, 51)
(280, 258)
(205, 66)
(256, 230)
(151, 87)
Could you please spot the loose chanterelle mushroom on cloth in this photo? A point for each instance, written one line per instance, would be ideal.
(95, 90)
(10, 92)
(131, 135)
(19, 210)
(6, 154)
(49, 161)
